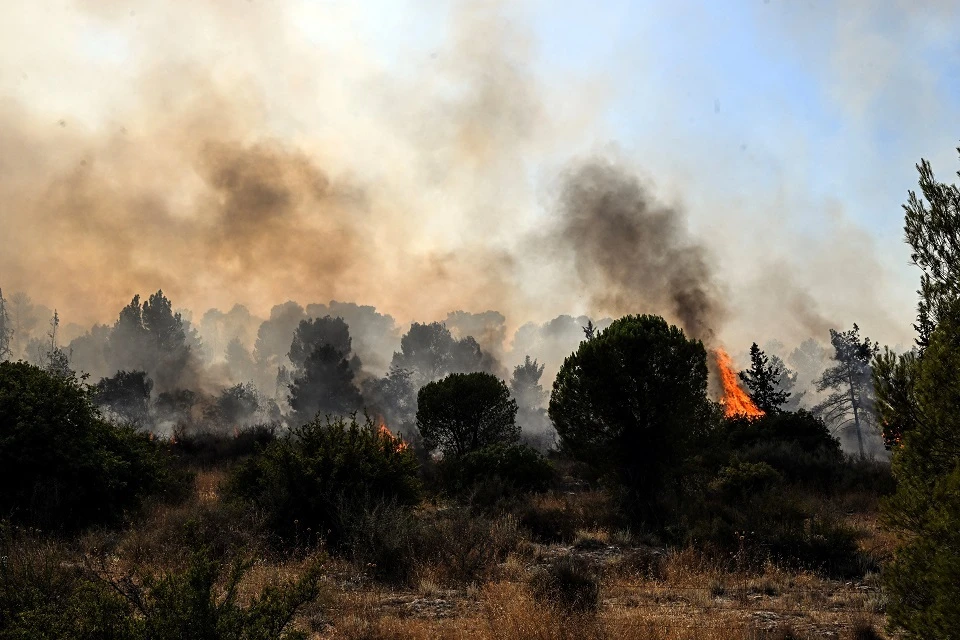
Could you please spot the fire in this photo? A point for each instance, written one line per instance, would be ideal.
(735, 401)
(386, 434)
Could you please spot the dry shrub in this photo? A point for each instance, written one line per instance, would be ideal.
(463, 548)
(557, 517)
(569, 585)
(642, 562)
(512, 613)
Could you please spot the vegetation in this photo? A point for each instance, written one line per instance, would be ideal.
(764, 381)
(631, 401)
(465, 412)
(62, 467)
(850, 401)
(309, 481)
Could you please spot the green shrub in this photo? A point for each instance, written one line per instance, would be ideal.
(304, 481)
(569, 584)
(797, 445)
(741, 479)
(206, 448)
(62, 467)
(187, 605)
(516, 467)
(632, 402)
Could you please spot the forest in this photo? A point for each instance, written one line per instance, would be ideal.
(290, 478)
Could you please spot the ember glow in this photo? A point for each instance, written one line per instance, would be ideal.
(735, 401)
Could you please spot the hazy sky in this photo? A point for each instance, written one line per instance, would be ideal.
(786, 130)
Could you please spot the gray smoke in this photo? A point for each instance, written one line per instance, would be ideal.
(635, 254)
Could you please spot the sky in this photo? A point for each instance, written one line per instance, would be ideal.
(784, 132)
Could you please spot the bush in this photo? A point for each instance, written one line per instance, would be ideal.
(305, 481)
(208, 448)
(569, 584)
(797, 445)
(518, 467)
(742, 479)
(43, 596)
(62, 466)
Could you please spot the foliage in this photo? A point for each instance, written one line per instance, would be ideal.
(850, 381)
(150, 337)
(924, 579)
(325, 386)
(303, 481)
(517, 466)
(920, 404)
(187, 604)
(316, 332)
(528, 392)
(125, 395)
(930, 228)
(61, 465)
(797, 445)
(454, 546)
(42, 596)
(393, 397)
(894, 376)
(239, 362)
(430, 352)
(239, 406)
(764, 380)
(633, 400)
(741, 479)
(465, 412)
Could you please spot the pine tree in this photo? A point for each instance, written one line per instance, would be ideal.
(918, 396)
(851, 399)
(764, 381)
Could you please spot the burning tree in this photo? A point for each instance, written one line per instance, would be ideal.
(736, 403)
(851, 399)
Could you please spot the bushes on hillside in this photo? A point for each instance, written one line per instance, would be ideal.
(305, 480)
(62, 467)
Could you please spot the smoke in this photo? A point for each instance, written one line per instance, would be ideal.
(271, 152)
(634, 254)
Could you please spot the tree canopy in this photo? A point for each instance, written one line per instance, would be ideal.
(630, 399)
(850, 401)
(465, 412)
(918, 399)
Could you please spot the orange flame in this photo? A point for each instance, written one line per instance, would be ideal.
(386, 434)
(735, 401)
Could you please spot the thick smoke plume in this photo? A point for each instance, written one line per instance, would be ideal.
(634, 254)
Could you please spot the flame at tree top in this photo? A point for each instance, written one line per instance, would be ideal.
(735, 400)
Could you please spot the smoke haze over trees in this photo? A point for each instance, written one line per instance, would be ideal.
(460, 187)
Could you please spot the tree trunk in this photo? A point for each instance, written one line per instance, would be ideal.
(856, 420)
